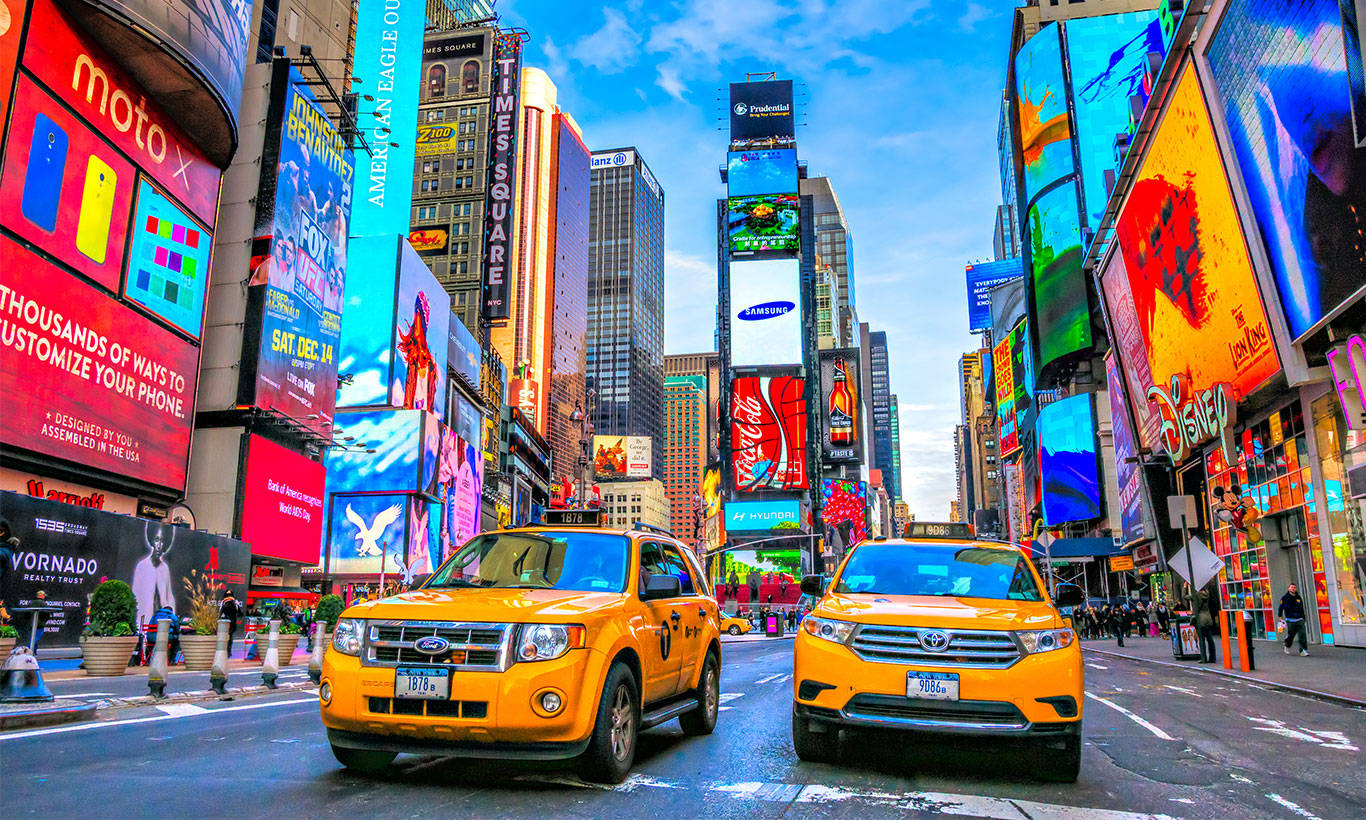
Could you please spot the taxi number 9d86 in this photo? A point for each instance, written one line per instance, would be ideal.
(932, 685)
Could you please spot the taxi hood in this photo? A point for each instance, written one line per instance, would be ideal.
(938, 611)
(487, 605)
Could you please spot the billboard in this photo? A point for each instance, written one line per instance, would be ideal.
(761, 172)
(841, 407)
(1005, 395)
(371, 299)
(91, 380)
(766, 317)
(1067, 460)
(618, 457)
(1131, 343)
(460, 477)
(762, 516)
(420, 338)
(168, 260)
(282, 502)
(500, 178)
(430, 241)
(761, 112)
(1053, 237)
(435, 140)
(982, 277)
(15, 11)
(463, 354)
(1193, 288)
(1007, 306)
(1282, 76)
(1128, 472)
(1045, 130)
(844, 505)
(764, 225)
(1108, 58)
(392, 77)
(365, 527)
(768, 433)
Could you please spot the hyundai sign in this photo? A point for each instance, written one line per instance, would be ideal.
(762, 516)
(766, 316)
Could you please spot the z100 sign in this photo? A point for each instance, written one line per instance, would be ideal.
(768, 433)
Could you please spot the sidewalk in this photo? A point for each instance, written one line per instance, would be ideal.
(1329, 673)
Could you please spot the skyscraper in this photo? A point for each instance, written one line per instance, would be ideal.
(707, 365)
(685, 450)
(569, 299)
(835, 249)
(882, 414)
(626, 298)
(896, 450)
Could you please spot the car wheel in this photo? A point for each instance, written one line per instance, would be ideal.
(702, 720)
(814, 747)
(1060, 765)
(734, 630)
(612, 745)
(363, 760)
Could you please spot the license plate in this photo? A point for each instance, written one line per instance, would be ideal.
(422, 684)
(932, 685)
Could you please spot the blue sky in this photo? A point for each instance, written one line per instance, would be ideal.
(897, 103)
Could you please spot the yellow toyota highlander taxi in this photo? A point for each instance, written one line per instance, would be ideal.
(553, 642)
(939, 633)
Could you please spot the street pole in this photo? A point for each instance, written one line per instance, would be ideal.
(383, 552)
(1190, 565)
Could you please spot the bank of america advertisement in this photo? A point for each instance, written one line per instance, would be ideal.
(298, 261)
(765, 312)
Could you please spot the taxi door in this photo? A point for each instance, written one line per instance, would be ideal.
(699, 616)
(657, 628)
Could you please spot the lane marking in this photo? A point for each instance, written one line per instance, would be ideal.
(770, 679)
(1096, 666)
(1324, 738)
(727, 697)
(1293, 806)
(80, 727)
(1183, 690)
(1131, 716)
(180, 709)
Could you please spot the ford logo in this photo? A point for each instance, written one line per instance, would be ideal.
(766, 310)
(934, 640)
(432, 645)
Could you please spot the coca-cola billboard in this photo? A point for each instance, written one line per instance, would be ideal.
(768, 433)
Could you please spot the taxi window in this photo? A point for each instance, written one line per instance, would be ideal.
(664, 559)
(949, 570)
(677, 567)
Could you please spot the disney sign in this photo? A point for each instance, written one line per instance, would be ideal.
(1189, 419)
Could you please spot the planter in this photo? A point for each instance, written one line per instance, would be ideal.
(6, 646)
(198, 651)
(107, 656)
(287, 644)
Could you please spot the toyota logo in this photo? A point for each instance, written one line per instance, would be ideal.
(432, 645)
(741, 109)
(934, 641)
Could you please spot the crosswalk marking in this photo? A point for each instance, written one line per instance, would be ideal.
(773, 679)
(1131, 716)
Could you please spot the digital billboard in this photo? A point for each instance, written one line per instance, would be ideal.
(1108, 57)
(1281, 74)
(767, 171)
(1193, 288)
(461, 479)
(370, 307)
(761, 112)
(168, 260)
(450, 65)
(421, 337)
(1067, 460)
(765, 310)
(501, 176)
(1005, 395)
(768, 433)
(1061, 307)
(1127, 470)
(1045, 130)
(618, 457)
(463, 354)
(762, 516)
(282, 502)
(841, 407)
(1007, 306)
(764, 225)
(430, 241)
(982, 277)
(364, 527)
(1131, 343)
(845, 502)
(92, 381)
(14, 11)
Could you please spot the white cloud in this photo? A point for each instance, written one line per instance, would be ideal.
(610, 49)
(972, 15)
(671, 82)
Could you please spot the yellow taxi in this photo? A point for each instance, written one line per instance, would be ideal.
(560, 641)
(942, 634)
(735, 626)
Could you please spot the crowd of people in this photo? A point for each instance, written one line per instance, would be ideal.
(1123, 620)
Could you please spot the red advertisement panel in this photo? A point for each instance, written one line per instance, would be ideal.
(64, 189)
(282, 503)
(88, 379)
(79, 70)
(768, 433)
(11, 26)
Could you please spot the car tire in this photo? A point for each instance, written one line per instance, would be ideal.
(702, 720)
(363, 761)
(814, 747)
(734, 630)
(1060, 765)
(612, 745)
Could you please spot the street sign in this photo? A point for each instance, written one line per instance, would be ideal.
(1204, 563)
(1121, 563)
(1181, 507)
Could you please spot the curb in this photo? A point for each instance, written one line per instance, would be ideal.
(1331, 697)
(49, 714)
(199, 695)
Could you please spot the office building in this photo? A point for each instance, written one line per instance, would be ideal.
(685, 451)
(882, 414)
(835, 250)
(626, 503)
(568, 350)
(707, 365)
(896, 449)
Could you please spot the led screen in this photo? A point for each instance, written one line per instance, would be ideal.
(463, 354)
(763, 225)
(282, 502)
(844, 505)
(768, 433)
(421, 337)
(1045, 130)
(982, 277)
(460, 477)
(618, 457)
(762, 516)
(505, 85)
(1127, 469)
(766, 317)
(1282, 77)
(1055, 256)
(1007, 307)
(841, 407)
(761, 112)
(168, 260)
(365, 355)
(761, 172)
(364, 527)
(1005, 396)
(1129, 340)
(1067, 461)
(1194, 293)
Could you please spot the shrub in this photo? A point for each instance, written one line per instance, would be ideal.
(7, 631)
(112, 609)
(203, 615)
(329, 610)
(290, 628)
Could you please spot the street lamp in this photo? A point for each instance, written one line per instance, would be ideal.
(579, 417)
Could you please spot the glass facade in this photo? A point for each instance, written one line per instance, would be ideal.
(570, 306)
(1342, 451)
(685, 451)
(882, 415)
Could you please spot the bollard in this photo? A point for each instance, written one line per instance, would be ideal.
(156, 667)
(1223, 633)
(218, 678)
(270, 666)
(315, 661)
(1246, 656)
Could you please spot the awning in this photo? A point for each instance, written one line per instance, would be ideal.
(290, 593)
(1079, 548)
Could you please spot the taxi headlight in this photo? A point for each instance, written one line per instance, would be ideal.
(1045, 640)
(828, 629)
(346, 638)
(543, 642)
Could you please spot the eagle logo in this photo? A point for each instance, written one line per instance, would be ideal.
(367, 536)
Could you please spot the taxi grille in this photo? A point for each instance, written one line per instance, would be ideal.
(966, 647)
(471, 646)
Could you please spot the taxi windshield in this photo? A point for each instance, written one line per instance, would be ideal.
(949, 570)
(584, 561)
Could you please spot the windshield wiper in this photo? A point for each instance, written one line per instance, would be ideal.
(527, 586)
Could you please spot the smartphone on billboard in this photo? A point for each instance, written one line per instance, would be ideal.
(97, 209)
(43, 178)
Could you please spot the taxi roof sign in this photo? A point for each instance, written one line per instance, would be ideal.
(571, 518)
(938, 529)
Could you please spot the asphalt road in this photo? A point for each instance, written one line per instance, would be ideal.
(1160, 742)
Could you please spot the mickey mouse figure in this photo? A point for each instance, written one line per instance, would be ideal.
(1232, 507)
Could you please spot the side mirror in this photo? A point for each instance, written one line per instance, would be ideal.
(663, 586)
(1066, 595)
(813, 585)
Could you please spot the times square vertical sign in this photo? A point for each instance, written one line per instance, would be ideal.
(503, 116)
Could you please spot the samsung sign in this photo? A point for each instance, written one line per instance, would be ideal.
(767, 310)
(614, 159)
(766, 326)
(761, 516)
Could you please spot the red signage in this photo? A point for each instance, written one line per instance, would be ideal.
(768, 433)
(282, 503)
(90, 380)
(79, 70)
(9, 48)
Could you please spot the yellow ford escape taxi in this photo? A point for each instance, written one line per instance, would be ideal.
(555, 642)
(941, 634)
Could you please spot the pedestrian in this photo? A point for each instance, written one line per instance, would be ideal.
(734, 582)
(1164, 620)
(9, 579)
(1116, 623)
(231, 612)
(165, 613)
(1205, 621)
(1291, 611)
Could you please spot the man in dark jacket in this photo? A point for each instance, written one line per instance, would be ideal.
(231, 612)
(1292, 610)
(1206, 623)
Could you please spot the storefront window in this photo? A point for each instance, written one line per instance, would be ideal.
(1342, 450)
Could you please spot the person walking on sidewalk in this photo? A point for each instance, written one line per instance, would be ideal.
(1292, 611)
(1205, 620)
(1164, 619)
(231, 612)
(1116, 623)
